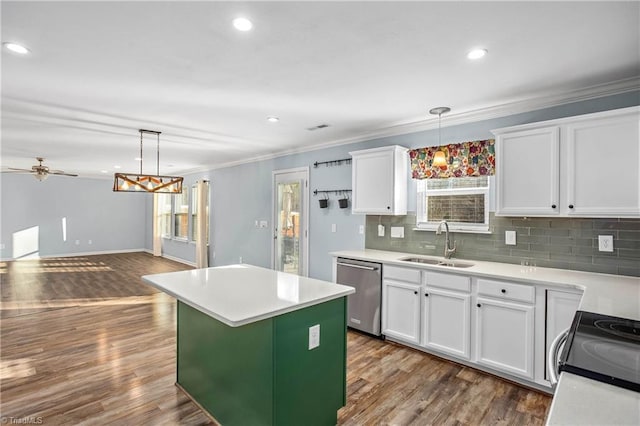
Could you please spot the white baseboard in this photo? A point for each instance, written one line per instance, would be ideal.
(85, 253)
(177, 259)
(94, 253)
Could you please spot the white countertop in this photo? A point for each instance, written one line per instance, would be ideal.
(614, 295)
(577, 400)
(241, 294)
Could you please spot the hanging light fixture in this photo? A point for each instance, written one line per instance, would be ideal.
(129, 182)
(439, 158)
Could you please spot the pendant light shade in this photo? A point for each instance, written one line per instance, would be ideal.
(131, 182)
(440, 157)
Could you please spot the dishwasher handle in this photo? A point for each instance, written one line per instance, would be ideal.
(351, 265)
(553, 362)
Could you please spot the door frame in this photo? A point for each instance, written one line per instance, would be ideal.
(304, 233)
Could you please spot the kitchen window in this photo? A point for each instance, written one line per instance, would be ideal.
(462, 202)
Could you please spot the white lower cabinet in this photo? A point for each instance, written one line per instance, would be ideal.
(401, 311)
(504, 336)
(561, 307)
(446, 321)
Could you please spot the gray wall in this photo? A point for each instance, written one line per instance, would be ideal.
(112, 221)
(239, 196)
(242, 194)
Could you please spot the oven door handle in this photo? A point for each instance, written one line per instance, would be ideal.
(553, 361)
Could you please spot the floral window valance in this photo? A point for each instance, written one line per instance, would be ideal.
(475, 158)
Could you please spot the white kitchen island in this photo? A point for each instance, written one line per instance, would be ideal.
(260, 347)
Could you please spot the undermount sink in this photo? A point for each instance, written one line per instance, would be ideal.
(438, 262)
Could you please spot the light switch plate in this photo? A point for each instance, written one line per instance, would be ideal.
(380, 230)
(605, 243)
(361, 229)
(334, 228)
(314, 336)
(397, 232)
(510, 238)
(264, 224)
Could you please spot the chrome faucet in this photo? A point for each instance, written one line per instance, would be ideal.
(448, 251)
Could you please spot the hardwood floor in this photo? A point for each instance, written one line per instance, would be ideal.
(84, 341)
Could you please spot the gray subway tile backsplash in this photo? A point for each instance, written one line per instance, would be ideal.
(548, 242)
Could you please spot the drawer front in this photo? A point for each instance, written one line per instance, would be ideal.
(402, 274)
(448, 281)
(503, 290)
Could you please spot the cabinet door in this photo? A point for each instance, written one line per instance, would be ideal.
(561, 308)
(603, 177)
(379, 181)
(504, 336)
(527, 172)
(401, 311)
(446, 321)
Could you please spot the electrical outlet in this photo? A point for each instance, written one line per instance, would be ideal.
(605, 243)
(1, 246)
(380, 230)
(314, 336)
(361, 229)
(89, 242)
(510, 238)
(240, 260)
(77, 242)
(263, 224)
(397, 232)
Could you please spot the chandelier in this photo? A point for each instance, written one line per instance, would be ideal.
(130, 182)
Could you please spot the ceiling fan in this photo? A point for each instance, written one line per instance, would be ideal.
(39, 171)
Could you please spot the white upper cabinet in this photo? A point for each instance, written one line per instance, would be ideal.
(379, 180)
(527, 172)
(583, 166)
(603, 172)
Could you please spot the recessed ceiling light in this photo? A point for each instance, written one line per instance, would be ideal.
(17, 48)
(117, 167)
(476, 53)
(242, 24)
(103, 171)
(137, 159)
(273, 119)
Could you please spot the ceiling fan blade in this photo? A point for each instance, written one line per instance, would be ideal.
(13, 169)
(61, 173)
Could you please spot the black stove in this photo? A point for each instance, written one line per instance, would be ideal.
(604, 348)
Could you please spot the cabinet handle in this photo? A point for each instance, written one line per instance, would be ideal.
(570, 206)
(553, 206)
(503, 291)
(478, 305)
(415, 292)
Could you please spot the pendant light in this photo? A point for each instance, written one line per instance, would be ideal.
(129, 182)
(439, 158)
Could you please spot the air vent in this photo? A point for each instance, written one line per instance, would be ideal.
(319, 126)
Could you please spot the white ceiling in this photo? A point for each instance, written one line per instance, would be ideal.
(99, 71)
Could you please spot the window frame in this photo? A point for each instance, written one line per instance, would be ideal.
(174, 214)
(422, 215)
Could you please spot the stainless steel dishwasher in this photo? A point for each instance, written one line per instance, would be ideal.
(363, 307)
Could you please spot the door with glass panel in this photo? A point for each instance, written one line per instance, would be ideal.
(290, 218)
